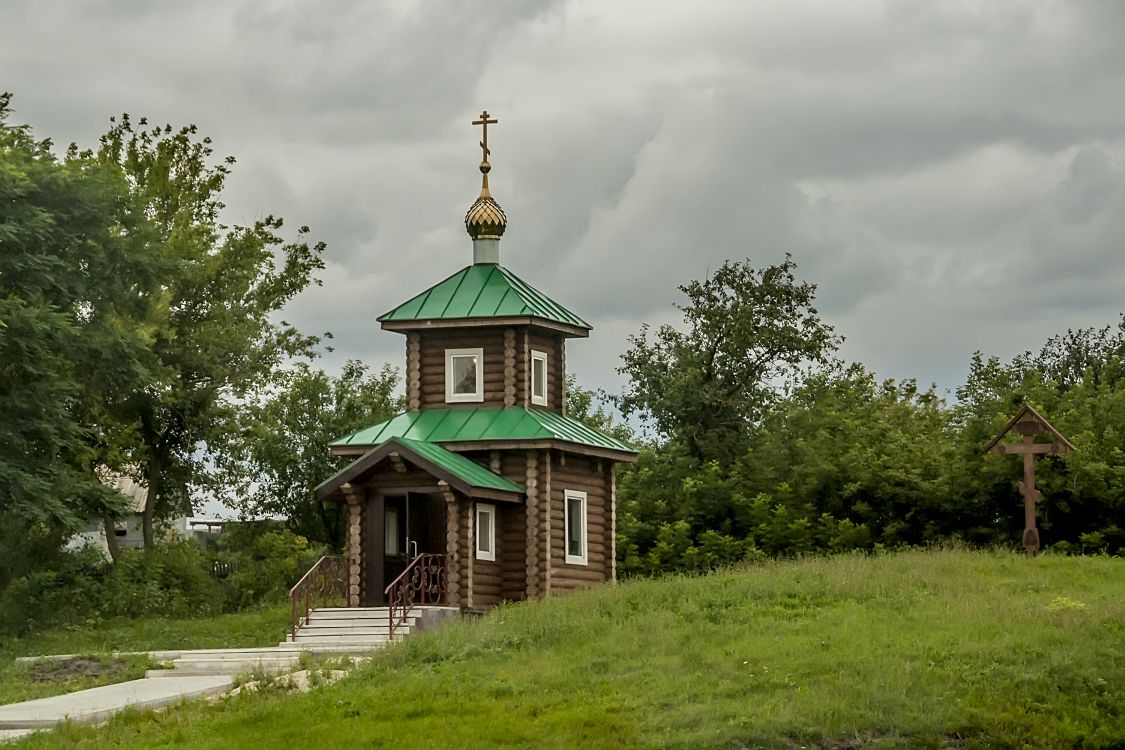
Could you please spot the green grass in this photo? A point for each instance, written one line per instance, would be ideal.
(24, 682)
(265, 626)
(919, 649)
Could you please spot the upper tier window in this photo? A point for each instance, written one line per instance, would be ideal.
(464, 375)
(539, 378)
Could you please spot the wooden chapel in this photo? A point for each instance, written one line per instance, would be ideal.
(484, 490)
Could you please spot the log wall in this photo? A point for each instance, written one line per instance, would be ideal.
(554, 347)
(386, 478)
(530, 536)
(356, 499)
(510, 553)
(507, 365)
(589, 475)
(432, 363)
(453, 595)
(487, 575)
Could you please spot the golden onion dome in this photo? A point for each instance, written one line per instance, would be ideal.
(485, 219)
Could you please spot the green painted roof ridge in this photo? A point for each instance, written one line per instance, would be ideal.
(556, 308)
(424, 296)
(456, 288)
(500, 302)
(576, 426)
(528, 424)
(532, 302)
(483, 286)
(538, 296)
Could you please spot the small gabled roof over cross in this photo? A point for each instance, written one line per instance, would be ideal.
(1029, 422)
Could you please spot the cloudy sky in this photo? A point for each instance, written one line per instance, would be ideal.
(951, 174)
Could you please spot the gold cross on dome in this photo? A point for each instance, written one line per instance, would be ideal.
(484, 122)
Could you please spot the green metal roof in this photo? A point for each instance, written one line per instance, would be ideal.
(463, 474)
(486, 423)
(482, 291)
(471, 472)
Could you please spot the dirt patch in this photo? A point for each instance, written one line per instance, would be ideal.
(65, 670)
(871, 739)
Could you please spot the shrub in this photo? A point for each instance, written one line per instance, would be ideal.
(174, 579)
(271, 562)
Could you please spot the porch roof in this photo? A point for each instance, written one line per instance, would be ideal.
(488, 424)
(462, 474)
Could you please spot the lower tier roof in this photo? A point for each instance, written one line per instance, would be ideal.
(486, 424)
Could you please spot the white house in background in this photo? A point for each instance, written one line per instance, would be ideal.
(130, 529)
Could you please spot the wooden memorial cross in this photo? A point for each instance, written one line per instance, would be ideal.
(1029, 423)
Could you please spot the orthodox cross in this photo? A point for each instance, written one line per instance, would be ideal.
(484, 122)
(1029, 423)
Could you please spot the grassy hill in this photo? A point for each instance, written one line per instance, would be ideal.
(918, 649)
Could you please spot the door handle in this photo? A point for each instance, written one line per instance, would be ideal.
(414, 544)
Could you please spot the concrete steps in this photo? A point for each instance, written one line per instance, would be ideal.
(333, 631)
(353, 613)
(351, 627)
(229, 661)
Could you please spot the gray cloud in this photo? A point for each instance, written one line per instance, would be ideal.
(951, 175)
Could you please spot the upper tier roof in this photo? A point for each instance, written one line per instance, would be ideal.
(487, 424)
(479, 291)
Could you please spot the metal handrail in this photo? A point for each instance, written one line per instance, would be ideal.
(327, 577)
(424, 581)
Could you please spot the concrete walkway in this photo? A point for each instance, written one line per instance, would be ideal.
(350, 632)
(98, 704)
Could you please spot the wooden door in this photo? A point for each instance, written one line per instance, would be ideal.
(371, 547)
(396, 554)
(426, 523)
(395, 528)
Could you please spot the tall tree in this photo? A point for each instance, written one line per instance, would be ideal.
(215, 335)
(272, 465)
(1078, 356)
(76, 276)
(746, 332)
(595, 409)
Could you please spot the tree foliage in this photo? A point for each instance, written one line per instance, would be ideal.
(77, 275)
(214, 336)
(841, 461)
(273, 463)
(595, 409)
(746, 332)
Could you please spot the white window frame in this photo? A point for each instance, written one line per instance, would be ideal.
(489, 510)
(478, 395)
(582, 559)
(542, 357)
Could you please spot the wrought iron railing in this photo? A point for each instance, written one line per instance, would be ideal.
(423, 582)
(325, 583)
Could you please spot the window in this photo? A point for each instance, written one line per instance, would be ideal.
(575, 527)
(539, 378)
(486, 532)
(464, 375)
(390, 532)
